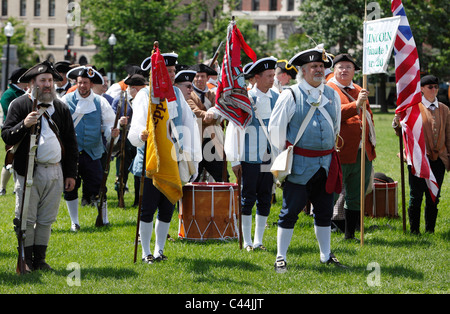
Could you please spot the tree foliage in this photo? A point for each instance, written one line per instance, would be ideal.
(25, 52)
(137, 25)
(340, 22)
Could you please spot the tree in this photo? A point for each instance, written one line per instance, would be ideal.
(25, 53)
(137, 24)
(339, 23)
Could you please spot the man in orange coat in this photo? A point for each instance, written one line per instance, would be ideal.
(352, 99)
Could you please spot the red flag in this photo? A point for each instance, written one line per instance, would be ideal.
(407, 76)
(231, 96)
(161, 83)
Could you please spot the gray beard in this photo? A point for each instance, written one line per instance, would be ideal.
(46, 98)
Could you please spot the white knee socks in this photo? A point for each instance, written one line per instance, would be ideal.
(323, 235)
(284, 237)
(145, 231)
(72, 206)
(247, 230)
(161, 231)
(260, 226)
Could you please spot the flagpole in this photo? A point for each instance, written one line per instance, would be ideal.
(142, 179)
(402, 173)
(363, 153)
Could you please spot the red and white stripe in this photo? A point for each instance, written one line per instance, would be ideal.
(407, 74)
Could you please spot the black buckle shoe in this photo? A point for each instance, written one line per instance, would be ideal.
(280, 265)
(333, 260)
(149, 259)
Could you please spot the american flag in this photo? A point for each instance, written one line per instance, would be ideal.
(407, 75)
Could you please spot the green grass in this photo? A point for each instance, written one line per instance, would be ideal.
(408, 264)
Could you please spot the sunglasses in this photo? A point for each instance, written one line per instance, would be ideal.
(431, 86)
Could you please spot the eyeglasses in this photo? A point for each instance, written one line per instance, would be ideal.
(431, 86)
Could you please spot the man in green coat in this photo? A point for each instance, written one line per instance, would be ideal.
(15, 89)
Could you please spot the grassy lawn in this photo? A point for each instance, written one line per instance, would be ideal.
(104, 257)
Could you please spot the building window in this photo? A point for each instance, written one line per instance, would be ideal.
(51, 36)
(290, 5)
(273, 5)
(271, 32)
(83, 40)
(51, 7)
(4, 7)
(255, 5)
(23, 7)
(37, 7)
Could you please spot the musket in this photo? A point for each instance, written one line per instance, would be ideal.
(21, 222)
(102, 191)
(216, 55)
(122, 155)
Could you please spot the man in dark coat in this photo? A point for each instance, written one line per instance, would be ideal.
(56, 159)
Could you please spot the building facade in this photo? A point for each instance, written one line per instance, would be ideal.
(53, 27)
(276, 18)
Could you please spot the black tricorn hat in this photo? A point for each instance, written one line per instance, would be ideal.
(16, 74)
(63, 66)
(245, 70)
(317, 54)
(86, 71)
(261, 65)
(346, 57)
(203, 68)
(170, 59)
(41, 68)
(136, 80)
(185, 76)
(288, 68)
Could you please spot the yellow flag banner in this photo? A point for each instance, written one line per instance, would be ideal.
(159, 163)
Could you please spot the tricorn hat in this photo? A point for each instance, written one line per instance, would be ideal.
(346, 57)
(16, 74)
(41, 68)
(261, 65)
(86, 71)
(203, 68)
(63, 66)
(185, 76)
(169, 58)
(288, 68)
(317, 54)
(136, 80)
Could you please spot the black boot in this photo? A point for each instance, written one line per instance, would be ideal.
(28, 250)
(430, 218)
(351, 218)
(39, 258)
(414, 220)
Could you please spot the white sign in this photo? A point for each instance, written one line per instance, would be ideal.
(379, 37)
